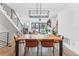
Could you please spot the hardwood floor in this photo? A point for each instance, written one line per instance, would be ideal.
(10, 51)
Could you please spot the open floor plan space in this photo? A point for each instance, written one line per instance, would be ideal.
(39, 29)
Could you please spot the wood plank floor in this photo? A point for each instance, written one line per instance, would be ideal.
(48, 52)
(10, 51)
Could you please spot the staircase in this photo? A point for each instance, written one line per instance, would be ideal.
(2, 44)
(7, 50)
(4, 37)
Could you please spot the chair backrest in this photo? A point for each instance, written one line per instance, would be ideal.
(47, 43)
(31, 42)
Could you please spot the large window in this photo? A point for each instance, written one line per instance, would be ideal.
(39, 27)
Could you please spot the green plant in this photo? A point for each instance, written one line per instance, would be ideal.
(54, 31)
(46, 29)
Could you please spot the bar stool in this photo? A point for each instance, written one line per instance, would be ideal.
(48, 43)
(31, 43)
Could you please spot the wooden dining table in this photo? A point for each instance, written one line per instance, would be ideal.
(39, 38)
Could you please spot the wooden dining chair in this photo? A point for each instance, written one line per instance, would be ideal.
(48, 43)
(31, 43)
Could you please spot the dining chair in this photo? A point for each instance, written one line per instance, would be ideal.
(31, 43)
(48, 43)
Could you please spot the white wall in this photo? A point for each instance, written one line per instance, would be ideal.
(68, 25)
(2, 28)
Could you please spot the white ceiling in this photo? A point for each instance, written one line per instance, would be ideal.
(21, 9)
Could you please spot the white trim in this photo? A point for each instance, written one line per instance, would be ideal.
(76, 52)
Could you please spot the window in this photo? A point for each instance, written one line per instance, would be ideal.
(39, 27)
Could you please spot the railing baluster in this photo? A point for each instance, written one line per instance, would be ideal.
(7, 38)
(4, 38)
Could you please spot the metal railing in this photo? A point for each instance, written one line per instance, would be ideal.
(4, 39)
(11, 13)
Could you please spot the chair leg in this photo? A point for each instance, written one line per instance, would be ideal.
(53, 50)
(25, 51)
(41, 50)
(28, 51)
(37, 50)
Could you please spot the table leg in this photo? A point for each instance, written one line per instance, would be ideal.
(17, 48)
(61, 48)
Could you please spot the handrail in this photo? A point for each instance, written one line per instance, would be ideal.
(10, 12)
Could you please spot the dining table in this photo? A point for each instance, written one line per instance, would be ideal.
(39, 37)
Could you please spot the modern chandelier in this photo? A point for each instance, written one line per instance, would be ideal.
(39, 12)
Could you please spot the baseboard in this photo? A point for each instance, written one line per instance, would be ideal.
(73, 50)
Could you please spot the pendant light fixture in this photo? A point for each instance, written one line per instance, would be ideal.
(39, 12)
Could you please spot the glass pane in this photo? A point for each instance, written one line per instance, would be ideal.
(37, 25)
(33, 25)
